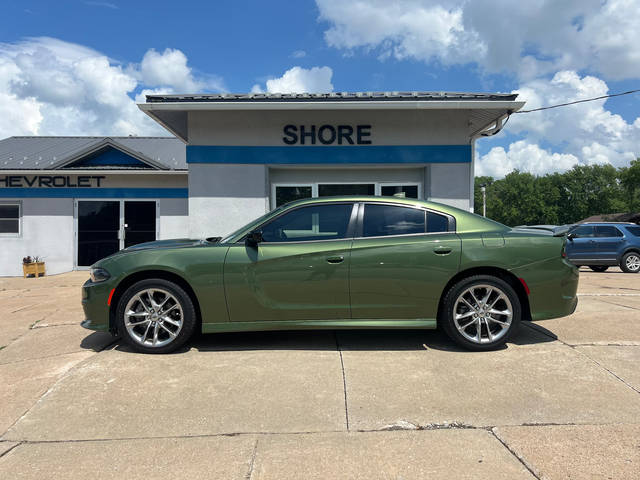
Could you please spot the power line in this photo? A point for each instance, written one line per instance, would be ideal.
(578, 101)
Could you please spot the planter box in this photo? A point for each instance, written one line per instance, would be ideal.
(36, 269)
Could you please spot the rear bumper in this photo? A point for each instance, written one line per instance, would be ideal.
(553, 285)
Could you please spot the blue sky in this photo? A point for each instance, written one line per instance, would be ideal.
(77, 67)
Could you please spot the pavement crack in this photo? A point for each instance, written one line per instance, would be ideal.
(524, 463)
(606, 369)
(9, 449)
(253, 459)
(344, 381)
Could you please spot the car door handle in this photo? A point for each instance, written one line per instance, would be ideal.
(442, 250)
(336, 259)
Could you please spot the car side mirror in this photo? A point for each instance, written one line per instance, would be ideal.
(571, 236)
(254, 238)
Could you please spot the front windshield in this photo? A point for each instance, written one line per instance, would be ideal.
(251, 225)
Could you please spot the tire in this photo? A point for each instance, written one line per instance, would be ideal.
(598, 268)
(630, 262)
(463, 330)
(145, 328)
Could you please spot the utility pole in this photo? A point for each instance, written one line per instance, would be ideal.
(483, 189)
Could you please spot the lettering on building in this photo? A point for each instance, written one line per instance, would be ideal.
(327, 134)
(51, 181)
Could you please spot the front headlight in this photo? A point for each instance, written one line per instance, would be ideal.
(98, 275)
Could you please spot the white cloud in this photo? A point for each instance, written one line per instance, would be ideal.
(587, 132)
(299, 80)
(52, 87)
(170, 69)
(530, 38)
(299, 54)
(525, 157)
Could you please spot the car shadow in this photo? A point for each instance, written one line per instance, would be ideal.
(343, 340)
(97, 341)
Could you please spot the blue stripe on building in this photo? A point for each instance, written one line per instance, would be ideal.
(94, 192)
(329, 154)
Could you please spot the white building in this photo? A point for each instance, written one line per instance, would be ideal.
(73, 200)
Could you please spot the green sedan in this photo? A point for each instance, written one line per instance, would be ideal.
(348, 262)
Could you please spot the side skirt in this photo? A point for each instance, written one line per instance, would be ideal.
(317, 325)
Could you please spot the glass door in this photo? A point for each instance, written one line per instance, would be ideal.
(139, 222)
(98, 230)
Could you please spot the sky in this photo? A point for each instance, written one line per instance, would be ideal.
(78, 67)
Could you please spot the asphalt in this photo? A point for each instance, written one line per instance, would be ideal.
(562, 400)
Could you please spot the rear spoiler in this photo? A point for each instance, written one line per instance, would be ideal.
(544, 229)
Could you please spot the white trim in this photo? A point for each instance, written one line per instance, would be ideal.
(17, 203)
(314, 187)
(92, 172)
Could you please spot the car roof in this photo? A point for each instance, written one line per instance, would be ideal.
(627, 224)
(413, 202)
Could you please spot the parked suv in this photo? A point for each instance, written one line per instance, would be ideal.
(603, 245)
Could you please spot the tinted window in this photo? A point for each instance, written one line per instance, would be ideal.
(382, 220)
(607, 231)
(333, 190)
(634, 231)
(318, 222)
(286, 194)
(10, 218)
(437, 223)
(583, 231)
(406, 191)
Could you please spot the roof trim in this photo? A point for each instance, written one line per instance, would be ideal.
(108, 142)
(328, 105)
(329, 97)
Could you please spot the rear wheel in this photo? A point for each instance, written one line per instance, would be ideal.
(630, 262)
(156, 316)
(481, 312)
(598, 268)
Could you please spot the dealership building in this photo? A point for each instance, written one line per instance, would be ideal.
(74, 200)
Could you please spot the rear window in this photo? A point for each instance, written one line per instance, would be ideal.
(607, 231)
(635, 231)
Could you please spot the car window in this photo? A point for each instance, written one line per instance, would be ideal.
(607, 231)
(583, 231)
(437, 223)
(315, 222)
(635, 231)
(383, 220)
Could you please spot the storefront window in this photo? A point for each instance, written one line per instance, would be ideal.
(288, 193)
(9, 219)
(405, 191)
(339, 190)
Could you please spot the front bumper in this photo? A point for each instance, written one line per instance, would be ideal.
(94, 304)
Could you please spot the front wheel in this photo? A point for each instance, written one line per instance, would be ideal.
(630, 262)
(598, 268)
(156, 316)
(481, 312)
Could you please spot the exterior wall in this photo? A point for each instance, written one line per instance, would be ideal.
(222, 198)
(390, 127)
(449, 183)
(47, 231)
(174, 218)
(48, 224)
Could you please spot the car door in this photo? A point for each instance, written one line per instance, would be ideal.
(299, 272)
(401, 260)
(609, 240)
(582, 244)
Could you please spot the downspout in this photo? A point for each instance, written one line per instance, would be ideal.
(498, 125)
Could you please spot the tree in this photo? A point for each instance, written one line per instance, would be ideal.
(630, 180)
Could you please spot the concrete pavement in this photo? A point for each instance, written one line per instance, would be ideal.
(561, 401)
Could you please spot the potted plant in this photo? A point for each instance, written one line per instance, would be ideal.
(33, 266)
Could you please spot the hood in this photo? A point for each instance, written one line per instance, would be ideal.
(173, 243)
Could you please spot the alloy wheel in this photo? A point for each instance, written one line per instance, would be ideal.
(482, 313)
(633, 262)
(153, 317)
